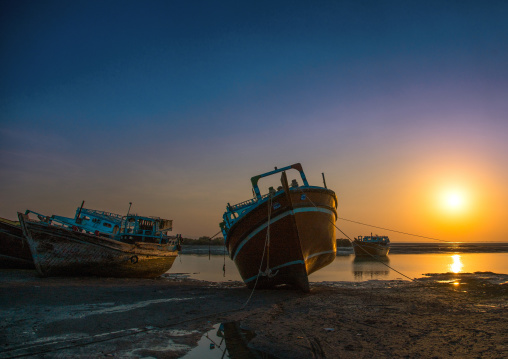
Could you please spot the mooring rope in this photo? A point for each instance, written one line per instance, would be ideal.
(353, 244)
(210, 243)
(267, 240)
(393, 230)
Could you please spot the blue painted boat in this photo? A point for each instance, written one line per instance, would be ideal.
(283, 236)
(371, 246)
(131, 246)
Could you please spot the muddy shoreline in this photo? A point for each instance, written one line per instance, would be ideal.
(440, 316)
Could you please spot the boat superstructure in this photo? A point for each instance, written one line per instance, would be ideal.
(90, 221)
(373, 245)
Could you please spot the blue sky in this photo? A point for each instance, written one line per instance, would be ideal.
(174, 105)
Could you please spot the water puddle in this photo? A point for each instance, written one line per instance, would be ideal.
(449, 281)
(226, 340)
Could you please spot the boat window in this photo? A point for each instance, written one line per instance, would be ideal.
(107, 225)
(145, 225)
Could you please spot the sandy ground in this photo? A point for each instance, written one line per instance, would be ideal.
(165, 317)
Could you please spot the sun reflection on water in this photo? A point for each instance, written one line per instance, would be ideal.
(456, 266)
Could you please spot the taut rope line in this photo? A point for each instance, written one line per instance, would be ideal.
(377, 259)
(393, 230)
(267, 240)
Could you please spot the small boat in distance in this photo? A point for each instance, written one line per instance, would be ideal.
(371, 246)
(137, 247)
(14, 250)
(283, 236)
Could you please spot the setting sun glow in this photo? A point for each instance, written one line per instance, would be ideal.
(454, 201)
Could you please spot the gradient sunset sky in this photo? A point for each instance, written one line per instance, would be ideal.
(174, 105)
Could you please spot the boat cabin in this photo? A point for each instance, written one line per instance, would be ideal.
(237, 211)
(92, 221)
(374, 239)
(130, 229)
(136, 228)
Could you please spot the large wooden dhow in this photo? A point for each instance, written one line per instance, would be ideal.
(141, 248)
(283, 236)
(14, 250)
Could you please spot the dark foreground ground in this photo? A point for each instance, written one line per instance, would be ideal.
(165, 317)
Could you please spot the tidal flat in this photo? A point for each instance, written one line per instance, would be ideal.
(438, 316)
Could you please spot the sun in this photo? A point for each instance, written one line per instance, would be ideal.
(454, 200)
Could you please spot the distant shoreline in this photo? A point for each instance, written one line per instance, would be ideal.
(396, 248)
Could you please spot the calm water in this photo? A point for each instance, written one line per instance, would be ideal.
(348, 268)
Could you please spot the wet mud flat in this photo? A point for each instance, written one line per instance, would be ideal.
(439, 316)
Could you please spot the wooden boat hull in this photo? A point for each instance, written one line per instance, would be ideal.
(59, 251)
(363, 249)
(302, 238)
(14, 250)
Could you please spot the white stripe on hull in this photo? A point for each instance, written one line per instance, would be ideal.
(277, 218)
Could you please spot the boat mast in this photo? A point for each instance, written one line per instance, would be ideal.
(80, 208)
(125, 226)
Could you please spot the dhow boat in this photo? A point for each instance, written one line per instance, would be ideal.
(283, 236)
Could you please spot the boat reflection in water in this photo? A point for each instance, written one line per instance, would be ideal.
(365, 268)
(227, 340)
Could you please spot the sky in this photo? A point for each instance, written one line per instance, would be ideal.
(174, 105)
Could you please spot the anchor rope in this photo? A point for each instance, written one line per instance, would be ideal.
(393, 230)
(353, 244)
(267, 241)
(212, 237)
(209, 244)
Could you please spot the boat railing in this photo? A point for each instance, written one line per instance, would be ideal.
(243, 204)
(95, 212)
(248, 202)
(146, 236)
(374, 239)
(254, 180)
